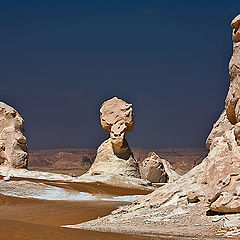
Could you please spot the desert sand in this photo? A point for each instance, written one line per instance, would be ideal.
(29, 218)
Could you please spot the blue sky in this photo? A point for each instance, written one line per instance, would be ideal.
(61, 59)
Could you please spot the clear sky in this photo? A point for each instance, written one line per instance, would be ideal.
(59, 60)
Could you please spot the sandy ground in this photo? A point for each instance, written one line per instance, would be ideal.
(50, 209)
(29, 218)
(183, 221)
(77, 172)
(41, 219)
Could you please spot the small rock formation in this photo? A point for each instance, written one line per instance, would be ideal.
(6, 178)
(114, 155)
(157, 170)
(192, 197)
(13, 148)
(72, 175)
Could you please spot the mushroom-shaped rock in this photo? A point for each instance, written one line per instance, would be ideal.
(157, 170)
(13, 148)
(114, 155)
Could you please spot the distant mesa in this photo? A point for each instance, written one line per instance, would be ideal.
(157, 170)
(13, 147)
(114, 156)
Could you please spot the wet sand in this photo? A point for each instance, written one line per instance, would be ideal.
(26, 218)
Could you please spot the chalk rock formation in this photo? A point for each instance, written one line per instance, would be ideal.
(13, 148)
(213, 185)
(233, 96)
(157, 170)
(217, 179)
(114, 155)
(219, 128)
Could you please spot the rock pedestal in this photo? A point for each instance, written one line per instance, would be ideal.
(114, 157)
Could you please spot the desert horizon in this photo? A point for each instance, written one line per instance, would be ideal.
(117, 75)
(182, 159)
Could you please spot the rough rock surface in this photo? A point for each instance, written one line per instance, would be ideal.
(219, 128)
(157, 170)
(217, 179)
(114, 155)
(212, 186)
(233, 96)
(13, 148)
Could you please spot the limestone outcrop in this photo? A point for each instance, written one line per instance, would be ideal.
(114, 155)
(13, 148)
(216, 181)
(157, 170)
(233, 96)
(211, 186)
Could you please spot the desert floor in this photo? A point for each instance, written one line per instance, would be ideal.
(29, 218)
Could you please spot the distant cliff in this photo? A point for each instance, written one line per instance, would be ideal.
(70, 158)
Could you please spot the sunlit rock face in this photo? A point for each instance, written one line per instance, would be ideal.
(233, 96)
(13, 148)
(114, 155)
(216, 181)
(157, 170)
(210, 188)
(224, 191)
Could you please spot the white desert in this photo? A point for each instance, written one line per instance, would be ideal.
(121, 196)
